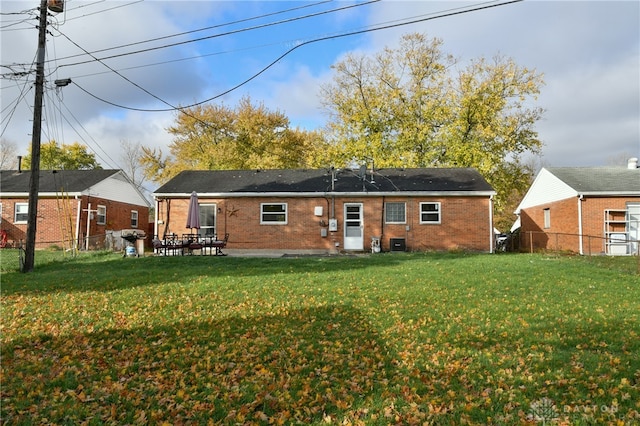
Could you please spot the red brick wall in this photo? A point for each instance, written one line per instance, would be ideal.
(49, 229)
(564, 230)
(464, 223)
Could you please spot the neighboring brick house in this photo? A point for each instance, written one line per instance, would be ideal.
(587, 210)
(64, 196)
(326, 211)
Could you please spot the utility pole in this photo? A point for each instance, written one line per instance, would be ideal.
(34, 180)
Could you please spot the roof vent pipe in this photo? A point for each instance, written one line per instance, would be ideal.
(19, 163)
(632, 163)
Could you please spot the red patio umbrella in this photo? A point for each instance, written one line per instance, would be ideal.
(193, 215)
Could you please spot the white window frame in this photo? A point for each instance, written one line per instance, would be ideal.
(437, 212)
(547, 218)
(263, 213)
(208, 230)
(25, 213)
(134, 218)
(397, 203)
(101, 215)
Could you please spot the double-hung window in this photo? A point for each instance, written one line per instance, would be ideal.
(547, 218)
(430, 212)
(21, 213)
(101, 215)
(134, 218)
(273, 213)
(208, 219)
(395, 212)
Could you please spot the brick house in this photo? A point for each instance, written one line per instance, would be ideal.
(326, 211)
(63, 200)
(587, 210)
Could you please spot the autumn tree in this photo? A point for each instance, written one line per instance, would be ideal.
(131, 157)
(408, 107)
(8, 155)
(64, 157)
(214, 137)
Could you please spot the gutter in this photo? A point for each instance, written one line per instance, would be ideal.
(610, 194)
(9, 195)
(358, 194)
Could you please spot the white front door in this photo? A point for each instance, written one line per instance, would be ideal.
(353, 227)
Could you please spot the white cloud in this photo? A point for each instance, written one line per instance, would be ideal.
(588, 52)
(298, 97)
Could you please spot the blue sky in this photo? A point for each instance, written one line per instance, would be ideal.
(588, 51)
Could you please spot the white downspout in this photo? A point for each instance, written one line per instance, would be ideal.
(580, 242)
(155, 219)
(492, 237)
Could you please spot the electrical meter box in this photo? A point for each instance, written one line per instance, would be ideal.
(333, 225)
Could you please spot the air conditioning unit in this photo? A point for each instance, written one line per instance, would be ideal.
(397, 244)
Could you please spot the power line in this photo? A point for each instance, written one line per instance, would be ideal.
(101, 11)
(172, 107)
(32, 17)
(120, 75)
(308, 42)
(7, 75)
(189, 32)
(241, 30)
(88, 134)
(483, 6)
(200, 29)
(82, 6)
(52, 121)
(26, 88)
(170, 61)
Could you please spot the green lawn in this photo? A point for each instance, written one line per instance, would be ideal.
(447, 338)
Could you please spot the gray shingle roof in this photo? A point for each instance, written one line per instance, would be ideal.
(12, 181)
(599, 179)
(320, 181)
